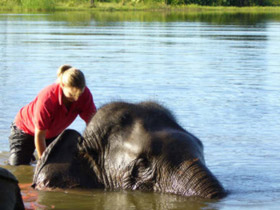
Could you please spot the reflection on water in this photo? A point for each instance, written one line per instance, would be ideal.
(120, 200)
(107, 18)
(218, 73)
(97, 199)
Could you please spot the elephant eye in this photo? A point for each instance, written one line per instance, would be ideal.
(142, 175)
(140, 167)
(143, 163)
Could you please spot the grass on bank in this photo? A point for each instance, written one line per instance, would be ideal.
(19, 5)
(121, 5)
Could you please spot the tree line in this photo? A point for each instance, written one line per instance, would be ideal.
(52, 4)
(238, 3)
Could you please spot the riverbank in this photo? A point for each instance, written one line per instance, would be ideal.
(14, 6)
(103, 6)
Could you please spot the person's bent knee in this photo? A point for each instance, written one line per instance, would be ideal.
(15, 160)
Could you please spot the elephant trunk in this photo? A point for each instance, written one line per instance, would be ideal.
(193, 178)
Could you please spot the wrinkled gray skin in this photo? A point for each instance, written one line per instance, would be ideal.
(62, 165)
(132, 147)
(10, 197)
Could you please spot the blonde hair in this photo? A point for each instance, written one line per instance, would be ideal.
(71, 77)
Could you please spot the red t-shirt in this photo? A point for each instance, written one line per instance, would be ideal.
(47, 112)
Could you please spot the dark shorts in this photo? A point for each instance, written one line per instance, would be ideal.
(22, 146)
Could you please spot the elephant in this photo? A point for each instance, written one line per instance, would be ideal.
(129, 146)
(10, 198)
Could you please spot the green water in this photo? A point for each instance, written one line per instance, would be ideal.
(95, 199)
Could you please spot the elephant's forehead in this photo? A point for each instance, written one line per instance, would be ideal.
(123, 154)
(132, 147)
(156, 142)
(138, 138)
(128, 153)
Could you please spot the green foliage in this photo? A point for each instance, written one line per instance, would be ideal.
(6, 3)
(273, 2)
(38, 4)
(238, 3)
(241, 3)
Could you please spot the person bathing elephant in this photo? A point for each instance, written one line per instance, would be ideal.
(131, 147)
(38, 123)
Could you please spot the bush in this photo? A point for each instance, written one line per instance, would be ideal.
(8, 3)
(38, 4)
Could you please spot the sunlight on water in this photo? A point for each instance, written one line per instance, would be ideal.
(219, 74)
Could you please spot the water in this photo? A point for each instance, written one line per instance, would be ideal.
(219, 74)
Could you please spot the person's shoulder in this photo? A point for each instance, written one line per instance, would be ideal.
(50, 89)
(86, 95)
(50, 92)
(86, 91)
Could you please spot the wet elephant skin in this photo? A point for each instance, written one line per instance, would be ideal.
(132, 147)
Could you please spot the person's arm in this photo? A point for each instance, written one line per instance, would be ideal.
(40, 141)
(88, 109)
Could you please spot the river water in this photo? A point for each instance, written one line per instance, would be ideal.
(218, 73)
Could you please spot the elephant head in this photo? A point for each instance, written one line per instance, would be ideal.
(142, 147)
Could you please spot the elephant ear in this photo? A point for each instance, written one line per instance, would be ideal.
(61, 166)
